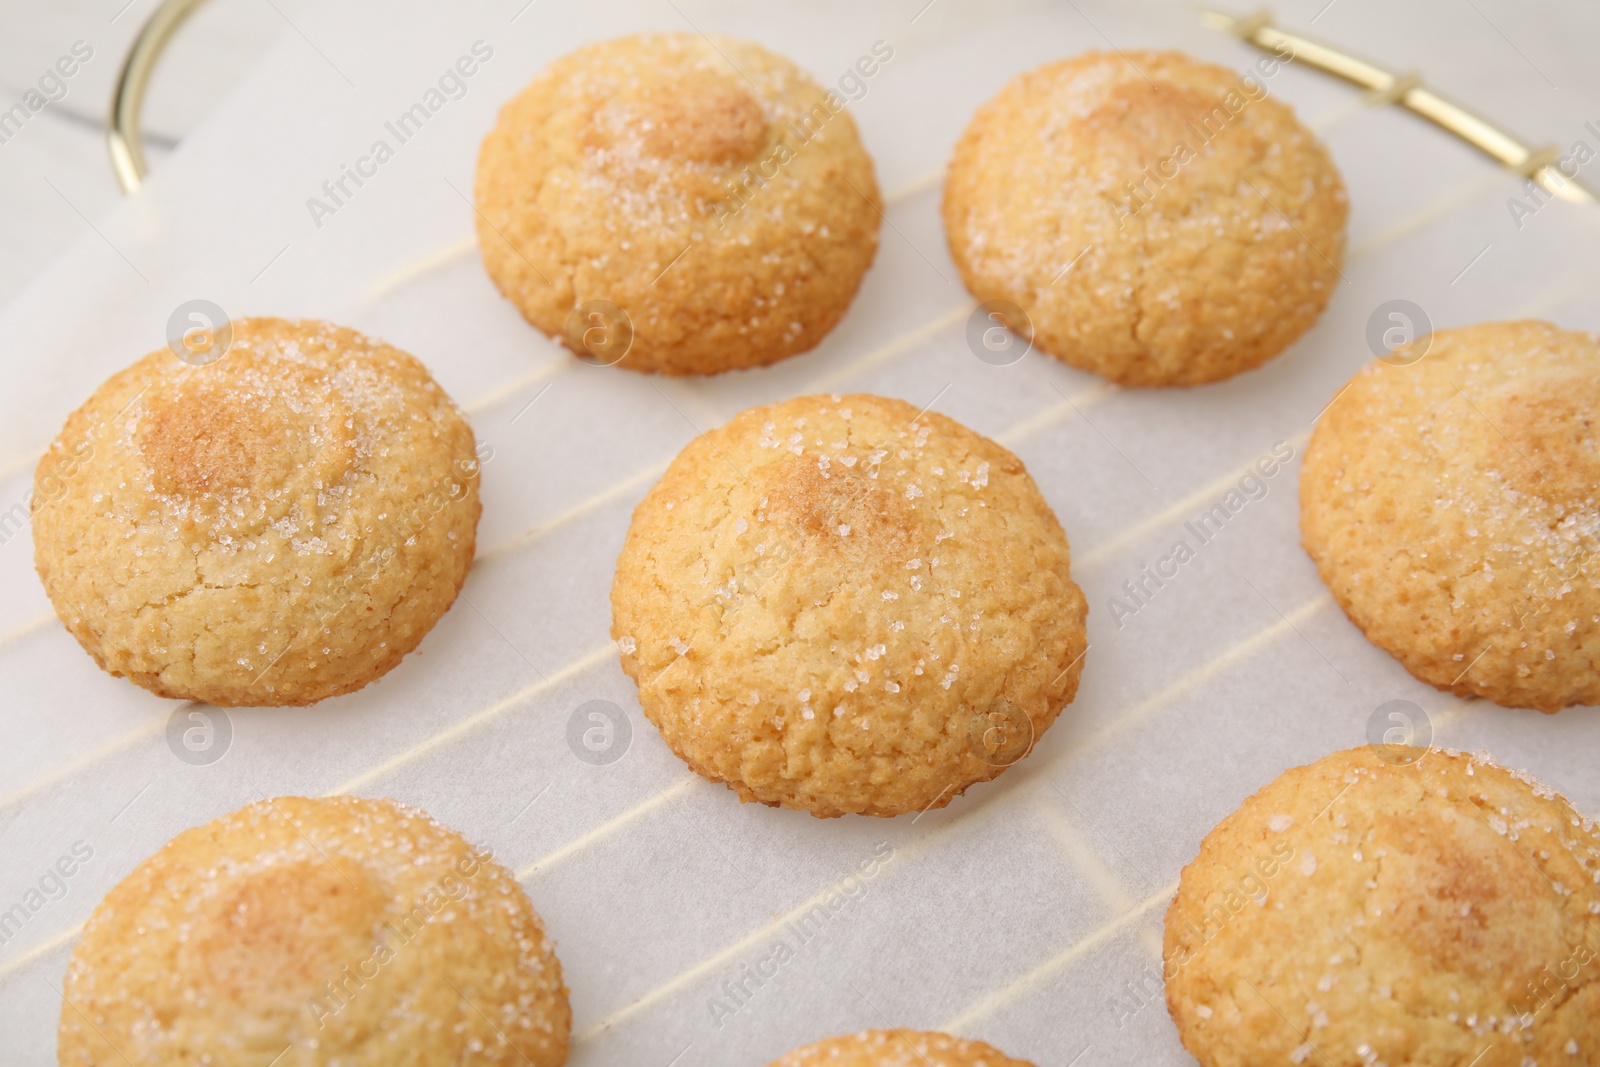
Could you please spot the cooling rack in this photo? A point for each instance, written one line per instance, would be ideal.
(693, 929)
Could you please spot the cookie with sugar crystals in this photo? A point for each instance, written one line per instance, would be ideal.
(1451, 500)
(677, 204)
(845, 605)
(1388, 905)
(276, 526)
(1159, 220)
(897, 1048)
(298, 931)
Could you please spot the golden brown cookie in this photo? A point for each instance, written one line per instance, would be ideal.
(705, 187)
(897, 1048)
(1161, 221)
(1452, 504)
(842, 605)
(298, 932)
(275, 527)
(1436, 911)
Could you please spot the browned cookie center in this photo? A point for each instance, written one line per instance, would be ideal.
(845, 506)
(1148, 120)
(1453, 889)
(302, 922)
(1549, 441)
(701, 117)
(214, 442)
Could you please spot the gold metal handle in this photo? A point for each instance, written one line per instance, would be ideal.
(122, 125)
(1407, 90)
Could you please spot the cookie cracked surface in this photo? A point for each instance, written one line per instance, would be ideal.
(1433, 909)
(1161, 221)
(276, 527)
(1452, 504)
(841, 605)
(298, 933)
(729, 211)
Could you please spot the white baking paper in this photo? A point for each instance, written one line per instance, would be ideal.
(1026, 913)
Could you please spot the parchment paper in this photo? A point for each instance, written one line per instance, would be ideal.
(1026, 913)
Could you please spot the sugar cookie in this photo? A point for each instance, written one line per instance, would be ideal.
(275, 527)
(683, 204)
(308, 932)
(845, 605)
(1161, 221)
(897, 1048)
(1430, 910)
(1452, 504)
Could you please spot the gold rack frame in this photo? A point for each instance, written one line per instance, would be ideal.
(123, 139)
(1407, 90)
